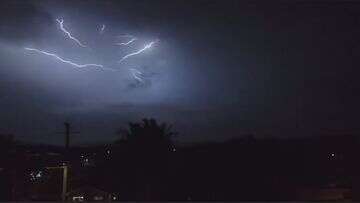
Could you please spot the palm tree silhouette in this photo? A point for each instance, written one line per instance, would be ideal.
(149, 147)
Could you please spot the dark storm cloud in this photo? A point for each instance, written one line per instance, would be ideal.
(21, 21)
(221, 69)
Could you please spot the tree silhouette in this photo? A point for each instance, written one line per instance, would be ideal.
(150, 135)
(149, 146)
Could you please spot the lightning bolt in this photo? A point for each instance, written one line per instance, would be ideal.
(102, 29)
(127, 43)
(137, 75)
(126, 36)
(147, 46)
(61, 24)
(63, 60)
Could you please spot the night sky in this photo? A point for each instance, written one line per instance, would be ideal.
(220, 69)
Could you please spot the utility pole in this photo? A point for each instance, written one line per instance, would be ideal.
(67, 134)
(64, 188)
(65, 166)
(64, 181)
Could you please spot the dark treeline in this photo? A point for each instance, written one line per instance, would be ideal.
(147, 165)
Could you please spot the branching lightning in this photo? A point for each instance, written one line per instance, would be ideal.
(63, 60)
(137, 75)
(130, 39)
(61, 24)
(102, 29)
(127, 43)
(147, 46)
(126, 36)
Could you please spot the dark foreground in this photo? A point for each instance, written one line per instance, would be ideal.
(318, 168)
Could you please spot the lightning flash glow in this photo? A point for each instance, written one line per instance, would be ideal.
(126, 36)
(63, 60)
(137, 75)
(102, 29)
(61, 24)
(126, 40)
(147, 46)
(127, 43)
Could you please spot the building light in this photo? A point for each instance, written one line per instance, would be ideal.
(78, 198)
(35, 175)
(98, 198)
(38, 175)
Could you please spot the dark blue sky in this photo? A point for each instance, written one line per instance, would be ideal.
(221, 68)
